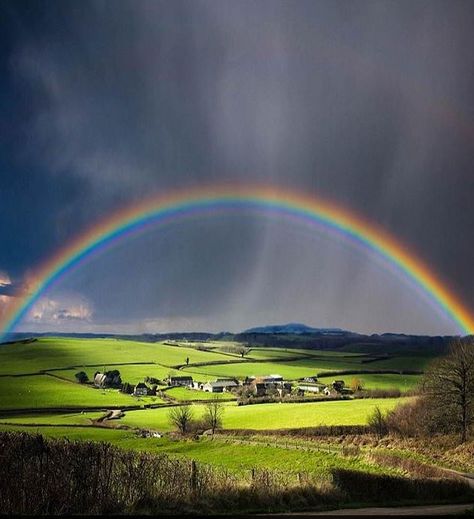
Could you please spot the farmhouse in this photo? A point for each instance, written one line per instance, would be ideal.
(220, 385)
(330, 391)
(180, 381)
(141, 389)
(310, 388)
(107, 379)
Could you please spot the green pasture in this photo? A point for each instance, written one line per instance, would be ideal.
(288, 369)
(272, 416)
(281, 416)
(132, 373)
(46, 391)
(415, 362)
(49, 353)
(182, 393)
(273, 353)
(81, 418)
(238, 457)
(385, 381)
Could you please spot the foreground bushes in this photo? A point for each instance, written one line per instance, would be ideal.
(39, 476)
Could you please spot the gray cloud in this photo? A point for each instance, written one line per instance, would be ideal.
(362, 103)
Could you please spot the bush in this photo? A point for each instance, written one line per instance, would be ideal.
(411, 419)
(81, 377)
(127, 388)
(377, 422)
(393, 392)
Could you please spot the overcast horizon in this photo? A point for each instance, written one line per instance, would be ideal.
(366, 104)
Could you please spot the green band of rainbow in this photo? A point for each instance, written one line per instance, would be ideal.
(268, 199)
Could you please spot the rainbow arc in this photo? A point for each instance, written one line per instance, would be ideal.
(213, 200)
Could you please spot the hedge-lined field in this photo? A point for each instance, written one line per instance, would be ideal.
(272, 416)
(49, 353)
(38, 391)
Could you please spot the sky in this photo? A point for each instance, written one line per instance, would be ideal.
(368, 104)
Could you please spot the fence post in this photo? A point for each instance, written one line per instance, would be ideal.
(193, 476)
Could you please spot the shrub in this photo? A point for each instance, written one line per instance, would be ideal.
(377, 422)
(81, 377)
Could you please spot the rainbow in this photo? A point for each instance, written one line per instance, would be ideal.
(270, 200)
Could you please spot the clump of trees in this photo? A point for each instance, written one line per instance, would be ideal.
(449, 389)
(127, 388)
(356, 384)
(182, 417)
(81, 377)
(446, 400)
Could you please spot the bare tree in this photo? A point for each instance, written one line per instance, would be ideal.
(449, 386)
(213, 413)
(181, 416)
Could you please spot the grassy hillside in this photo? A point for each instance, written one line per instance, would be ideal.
(53, 353)
(271, 416)
(38, 391)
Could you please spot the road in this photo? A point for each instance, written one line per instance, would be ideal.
(421, 510)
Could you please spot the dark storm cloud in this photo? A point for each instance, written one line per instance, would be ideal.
(366, 103)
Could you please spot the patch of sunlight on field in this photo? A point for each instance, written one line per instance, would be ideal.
(289, 369)
(49, 353)
(382, 381)
(129, 373)
(281, 416)
(273, 416)
(54, 419)
(46, 391)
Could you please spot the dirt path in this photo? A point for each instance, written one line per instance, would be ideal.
(420, 510)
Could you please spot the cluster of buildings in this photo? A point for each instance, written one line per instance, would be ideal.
(269, 385)
(261, 386)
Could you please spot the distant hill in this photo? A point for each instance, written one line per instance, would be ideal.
(294, 329)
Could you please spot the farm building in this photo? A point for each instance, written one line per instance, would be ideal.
(313, 379)
(180, 381)
(330, 391)
(311, 388)
(141, 389)
(220, 386)
(107, 379)
(272, 379)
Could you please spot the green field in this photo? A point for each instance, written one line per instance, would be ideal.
(49, 353)
(132, 373)
(236, 456)
(272, 416)
(385, 381)
(289, 369)
(37, 391)
(81, 418)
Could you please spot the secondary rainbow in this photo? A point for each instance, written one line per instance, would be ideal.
(177, 204)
